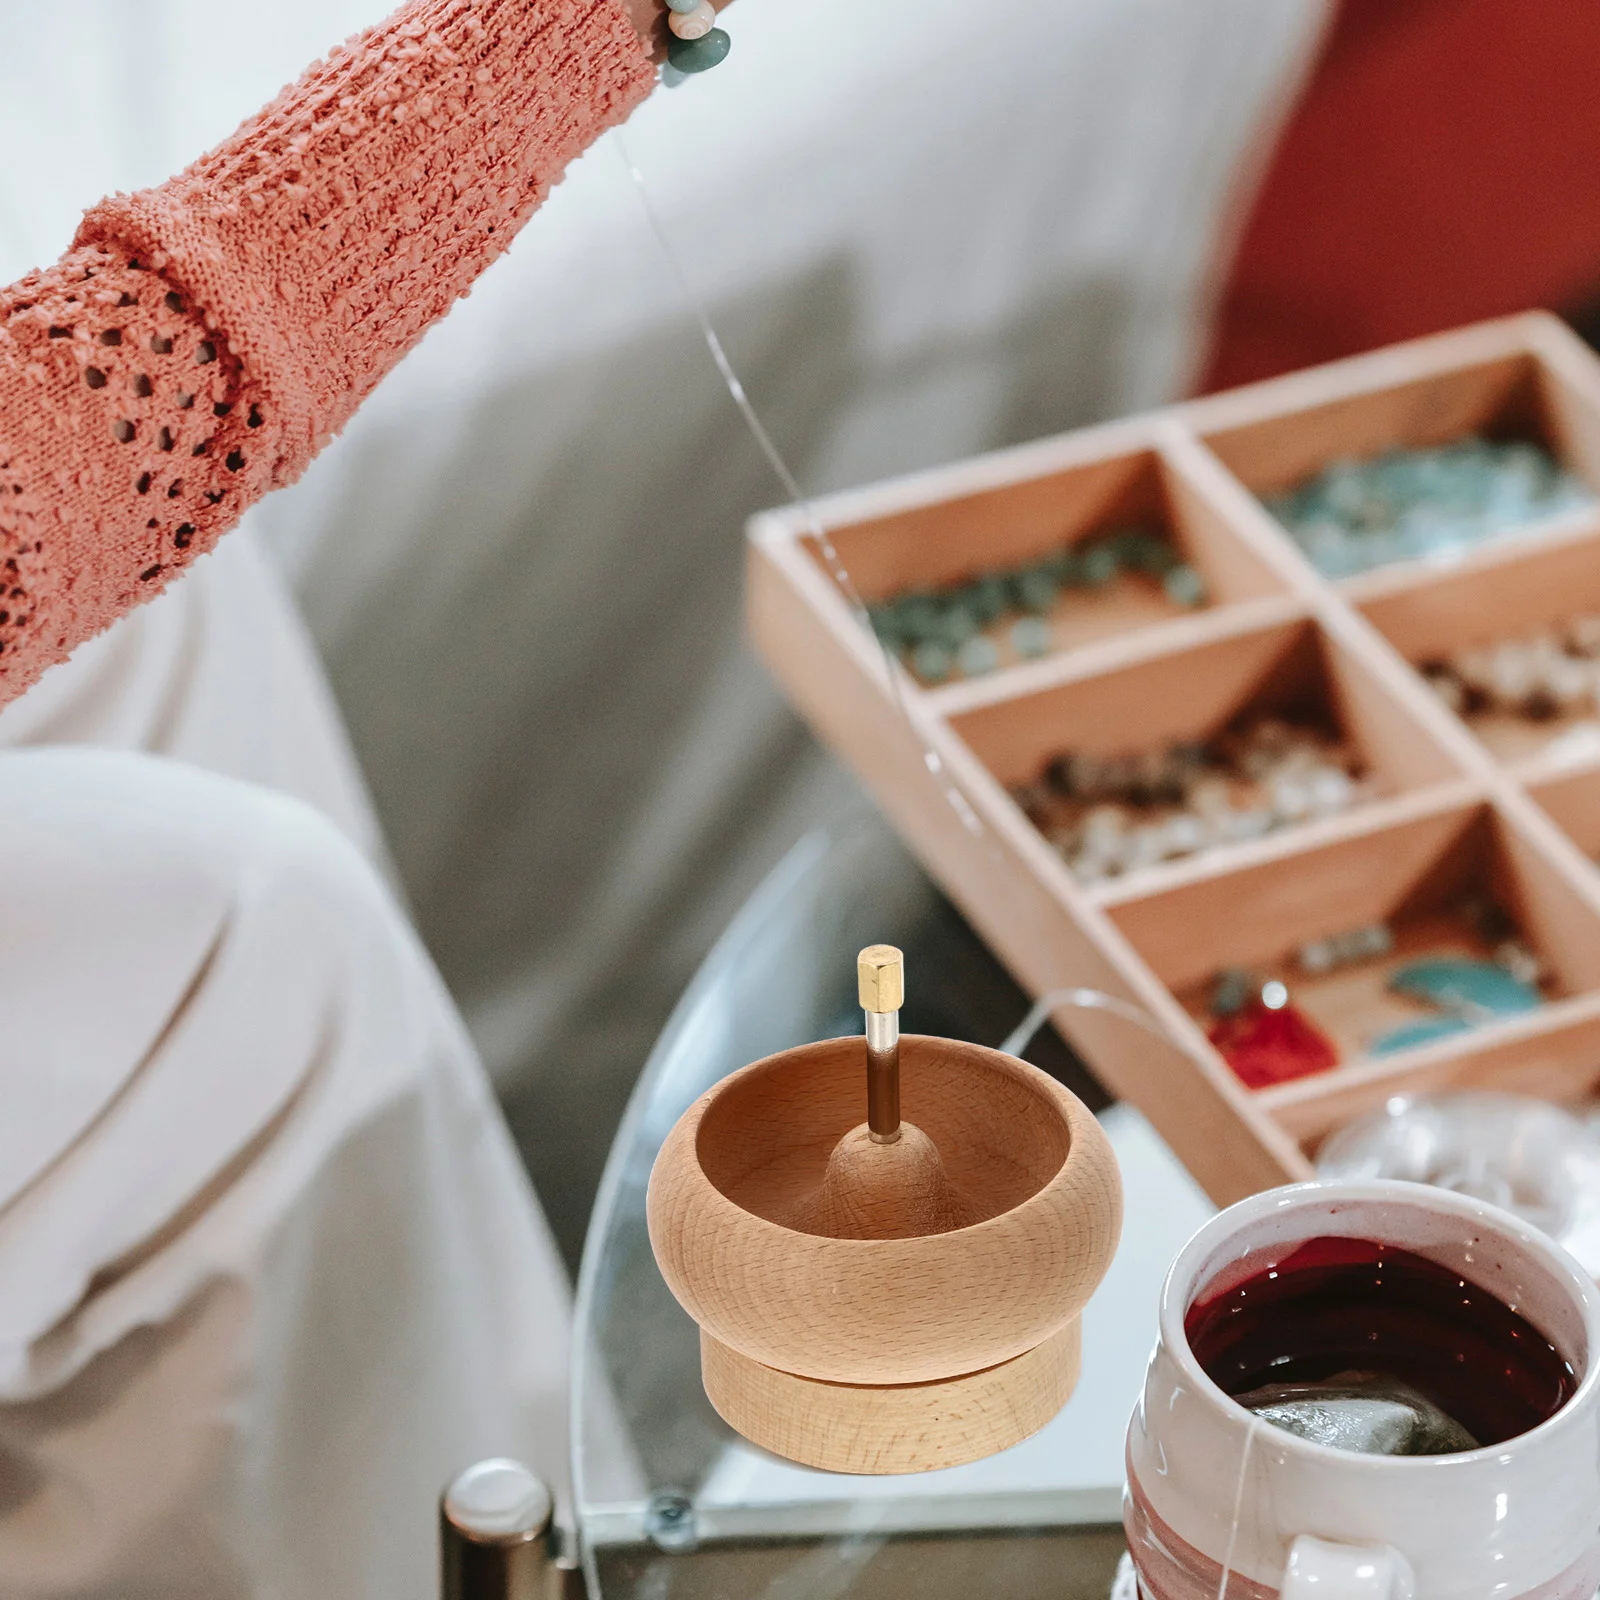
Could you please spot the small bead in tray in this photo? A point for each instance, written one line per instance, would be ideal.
(1537, 691)
(1113, 815)
(1020, 613)
(1413, 505)
(1372, 990)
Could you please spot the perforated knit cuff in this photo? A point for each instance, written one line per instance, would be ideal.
(326, 235)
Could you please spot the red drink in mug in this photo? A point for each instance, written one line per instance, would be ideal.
(1441, 1294)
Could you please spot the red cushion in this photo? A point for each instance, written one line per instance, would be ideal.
(1443, 165)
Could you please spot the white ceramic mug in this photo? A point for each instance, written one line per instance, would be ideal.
(1212, 1486)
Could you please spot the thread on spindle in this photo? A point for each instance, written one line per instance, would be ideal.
(881, 985)
(933, 762)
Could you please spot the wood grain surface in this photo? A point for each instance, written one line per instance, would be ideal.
(913, 1427)
(749, 1160)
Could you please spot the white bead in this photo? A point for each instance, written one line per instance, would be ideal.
(1544, 646)
(1291, 799)
(1511, 676)
(1301, 759)
(1103, 828)
(694, 24)
(1568, 681)
(1521, 962)
(1257, 764)
(1144, 848)
(1330, 790)
(1272, 733)
(1251, 824)
(1317, 957)
(1210, 797)
(1185, 835)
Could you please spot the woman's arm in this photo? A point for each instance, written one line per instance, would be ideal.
(203, 340)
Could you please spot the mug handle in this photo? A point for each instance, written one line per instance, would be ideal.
(1321, 1570)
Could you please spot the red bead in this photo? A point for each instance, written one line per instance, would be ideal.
(1264, 1046)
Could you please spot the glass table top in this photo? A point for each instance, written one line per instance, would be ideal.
(670, 1502)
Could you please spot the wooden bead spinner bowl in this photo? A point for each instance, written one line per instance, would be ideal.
(879, 1308)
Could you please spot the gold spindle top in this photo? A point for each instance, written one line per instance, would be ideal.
(881, 978)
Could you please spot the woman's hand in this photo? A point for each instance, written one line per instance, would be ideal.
(650, 18)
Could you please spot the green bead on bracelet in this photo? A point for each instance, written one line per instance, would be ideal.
(697, 44)
(702, 54)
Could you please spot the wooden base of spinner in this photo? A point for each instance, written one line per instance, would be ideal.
(896, 1295)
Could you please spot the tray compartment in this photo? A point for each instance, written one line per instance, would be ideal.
(928, 550)
(1292, 672)
(1417, 877)
(1513, 593)
(1511, 396)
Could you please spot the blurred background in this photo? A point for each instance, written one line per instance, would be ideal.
(923, 231)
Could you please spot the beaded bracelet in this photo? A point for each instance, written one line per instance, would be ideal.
(697, 43)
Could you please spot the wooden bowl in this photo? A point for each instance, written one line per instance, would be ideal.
(886, 1354)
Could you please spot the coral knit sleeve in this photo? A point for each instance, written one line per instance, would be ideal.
(203, 340)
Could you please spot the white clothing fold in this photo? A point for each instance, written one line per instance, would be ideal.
(270, 1267)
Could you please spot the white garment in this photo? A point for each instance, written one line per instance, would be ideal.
(218, 671)
(270, 1269)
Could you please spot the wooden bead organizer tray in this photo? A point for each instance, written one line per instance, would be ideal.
(1451, 815)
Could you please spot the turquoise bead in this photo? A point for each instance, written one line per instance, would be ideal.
(1233, 990)
(1068, 568)
(1100, 566)
(886, 624)
(1411, 504)
(1031, 638)
(1143, 551)
(988, 598)
(956, 625)
(1036, 590)
(931, 662)
(1466, 987)
(917, 618)
(1062, 566)
(1410, 1034)
(978, 656)
(682, 7)
(1184, 587)
(699, 55)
